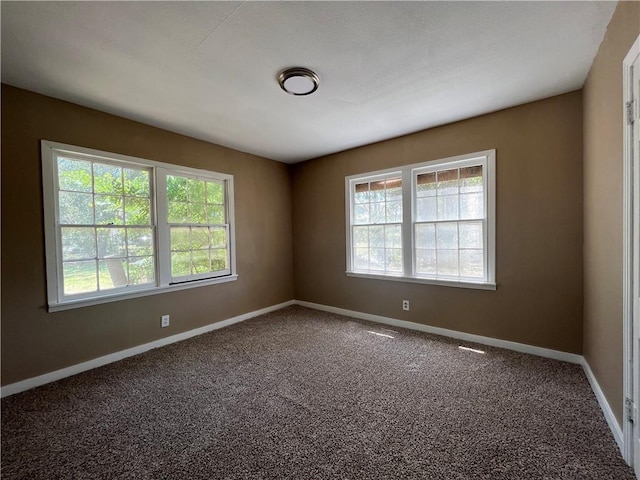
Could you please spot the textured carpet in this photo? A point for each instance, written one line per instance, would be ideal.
(301, 394)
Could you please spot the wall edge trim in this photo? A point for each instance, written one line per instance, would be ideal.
(615, 428)
(50, 377)
(469, 337)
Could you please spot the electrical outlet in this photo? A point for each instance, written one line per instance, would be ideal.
(165, 321)
(405, 304)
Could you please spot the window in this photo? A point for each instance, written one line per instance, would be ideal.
(118, 226)
(198, 230)
(429, 223)
(377, 230)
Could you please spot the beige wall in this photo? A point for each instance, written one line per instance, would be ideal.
(34, 341)
(539, 228)
(603, 99)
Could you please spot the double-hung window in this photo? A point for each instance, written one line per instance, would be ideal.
(118, 226)
(432, 222)
(197, 225)
(377, 224)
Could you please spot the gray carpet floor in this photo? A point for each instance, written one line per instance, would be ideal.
(301, 394)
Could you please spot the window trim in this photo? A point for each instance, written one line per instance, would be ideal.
(53, 244)
(408, 173)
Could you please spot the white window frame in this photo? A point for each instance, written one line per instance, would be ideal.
(164, 233)
(53, 246)
(487, 159)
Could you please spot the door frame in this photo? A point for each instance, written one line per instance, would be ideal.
(631, 322)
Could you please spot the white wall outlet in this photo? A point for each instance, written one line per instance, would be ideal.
(165, 321)
(405, 304)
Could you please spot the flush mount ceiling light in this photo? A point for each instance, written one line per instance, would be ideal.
(298, 81)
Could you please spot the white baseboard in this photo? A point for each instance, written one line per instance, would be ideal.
(468, 337)
(518, 347)
(33, 382)
(604, 405)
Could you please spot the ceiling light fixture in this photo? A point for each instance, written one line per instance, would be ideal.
(298, 81)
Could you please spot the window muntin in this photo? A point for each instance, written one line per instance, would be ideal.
(104, 225)
(198, 229)
(447, 224)
(377, 225)
(449, 227)
(107, 234)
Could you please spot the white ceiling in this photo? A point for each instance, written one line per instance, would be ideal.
(208, 69)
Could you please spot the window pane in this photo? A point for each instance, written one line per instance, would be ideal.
(107, 179)
(426, 261)
(201, 262)
(393, 236)
(361, 259)
(471, 205)
(447, 235)
(109, 210)
(447, 262)
(376, 236)
(78, 243)
(362, 213)
(219, 259)
(378, 213)
(376, 191)
(394, 260)
(176, 189)
(76, 208)
(218, 237)
(361, 237)
(111, 242)
(472, 263)
(137, 211)
(79, 277)
(139, 241)
(376, 258)
(448, 207)
(196, 191)
(198, 213)
(394, 212)
(447, 182)
(471, 179)
(426, 209)
(74, 175)
(180, 264)
(113, 273)
(426, 236)
(470, 234)
(106, 283)
(426, 185)
(215, 193)
(361, 194)
(180, 239)
(215, 214)
(199, 238)
(178, 212)
(393, 189)
(136, 183)
(141, 270)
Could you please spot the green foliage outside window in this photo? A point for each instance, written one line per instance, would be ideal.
(105, 207)
(196, 249)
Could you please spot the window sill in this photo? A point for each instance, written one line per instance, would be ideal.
(428, 281)
(87, 302)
